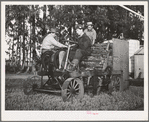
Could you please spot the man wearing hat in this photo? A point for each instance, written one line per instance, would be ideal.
(84, 46)
(49, 42)
(90, 32)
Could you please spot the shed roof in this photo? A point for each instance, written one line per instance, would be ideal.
(111, 41)
(140, 51)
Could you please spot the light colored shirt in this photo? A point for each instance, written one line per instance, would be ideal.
(49, 42)
(91, 34)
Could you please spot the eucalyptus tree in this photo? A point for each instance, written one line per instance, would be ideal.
(26, 27)
(15, 16)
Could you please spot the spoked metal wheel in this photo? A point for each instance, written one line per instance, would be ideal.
(31, 84)
(115, 83)
(72, 87)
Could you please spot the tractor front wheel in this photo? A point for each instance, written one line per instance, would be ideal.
(72, 88)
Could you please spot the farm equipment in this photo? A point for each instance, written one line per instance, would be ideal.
(94, 73)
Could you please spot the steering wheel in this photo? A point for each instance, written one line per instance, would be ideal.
(70, 41)
(55, 58)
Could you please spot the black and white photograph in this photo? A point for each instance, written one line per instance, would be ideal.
(74, 60)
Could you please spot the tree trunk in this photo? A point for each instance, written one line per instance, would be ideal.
(23, 42)
(33, 39)
(44, 21)
(33, 25)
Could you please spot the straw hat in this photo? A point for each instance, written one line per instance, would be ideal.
(89, 23)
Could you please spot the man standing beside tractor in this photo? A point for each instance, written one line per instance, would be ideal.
(90, 32)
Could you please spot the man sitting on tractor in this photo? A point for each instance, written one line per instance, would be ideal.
(49, 43)
(83, 48)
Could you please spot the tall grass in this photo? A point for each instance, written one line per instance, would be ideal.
(15, 99)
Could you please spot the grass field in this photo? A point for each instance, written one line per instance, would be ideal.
(15, 99)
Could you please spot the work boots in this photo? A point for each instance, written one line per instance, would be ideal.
(73, 66)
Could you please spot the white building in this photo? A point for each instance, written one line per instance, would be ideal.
(134, 45)
(138, 63)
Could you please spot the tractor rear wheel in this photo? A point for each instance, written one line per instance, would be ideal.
(31, 84)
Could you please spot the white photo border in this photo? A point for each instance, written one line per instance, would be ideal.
(74, 115)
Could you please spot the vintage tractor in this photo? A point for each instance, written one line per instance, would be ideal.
(94, 74)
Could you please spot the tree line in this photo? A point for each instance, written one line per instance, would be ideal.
(26, 25)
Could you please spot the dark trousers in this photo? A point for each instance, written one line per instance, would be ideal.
(78, 54)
